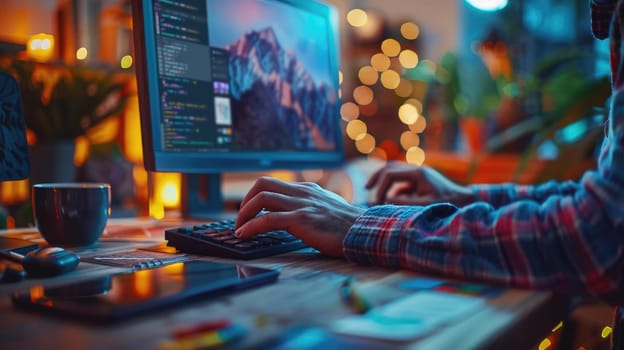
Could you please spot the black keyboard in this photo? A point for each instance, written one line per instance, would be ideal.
(217, 239)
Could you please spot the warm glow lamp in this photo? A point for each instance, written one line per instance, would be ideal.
(40, 47)
(488, 5)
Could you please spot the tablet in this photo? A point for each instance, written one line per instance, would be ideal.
(117, 297)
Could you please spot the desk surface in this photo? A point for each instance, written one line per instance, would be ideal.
(306, 294)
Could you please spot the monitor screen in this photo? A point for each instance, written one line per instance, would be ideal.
(237, 85)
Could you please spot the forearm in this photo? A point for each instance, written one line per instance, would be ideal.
(527, 244)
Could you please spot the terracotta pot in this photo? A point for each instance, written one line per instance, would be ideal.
(473, 131)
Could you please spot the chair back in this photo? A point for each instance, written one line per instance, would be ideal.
(14, 161)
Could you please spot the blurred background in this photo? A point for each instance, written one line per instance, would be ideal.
(484, 91)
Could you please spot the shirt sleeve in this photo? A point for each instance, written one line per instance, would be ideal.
(502, 194)
(572, 241)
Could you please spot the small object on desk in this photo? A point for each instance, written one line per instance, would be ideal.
(206, 340)
(161, 247)
(352, 298)
(217, 239)
(136, 259)
(201, 327)
(11, 272)
(20, 246)
(116, 297)
(409, 317)
(45, 262)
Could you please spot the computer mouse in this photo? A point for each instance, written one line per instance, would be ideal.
(49, 261)
(11, 272)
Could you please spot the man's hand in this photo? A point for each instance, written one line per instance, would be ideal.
(320, 218)
(404, 184)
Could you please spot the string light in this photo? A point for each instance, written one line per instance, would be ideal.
(408, 114)
(356, 129)
(380, 62)
(368, 75)
(410, 31)
(81, 53)
(357, 17)
(415, 155)
(404, 89)
(363, 95)
(365, 144)
(126, 62)
(349, 111)
(409, 140)
(390, 79)
(378, 153)
(419, 126)
(391, 47)
(606, 332)
(408, 58)
(386, 68)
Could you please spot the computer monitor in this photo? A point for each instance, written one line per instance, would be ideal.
(236, 85)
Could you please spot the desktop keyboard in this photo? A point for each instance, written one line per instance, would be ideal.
(217, 239)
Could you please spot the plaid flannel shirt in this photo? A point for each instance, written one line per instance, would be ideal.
(563, 236)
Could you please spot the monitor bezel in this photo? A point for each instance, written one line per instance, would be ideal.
(211, 162)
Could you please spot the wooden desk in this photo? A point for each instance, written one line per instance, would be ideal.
(306, 294)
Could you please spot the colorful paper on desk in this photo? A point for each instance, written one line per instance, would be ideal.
(409, 317)
(472, 289)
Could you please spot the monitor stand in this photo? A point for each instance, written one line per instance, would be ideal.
(202, 198)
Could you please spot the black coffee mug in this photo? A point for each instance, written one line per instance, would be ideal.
(71, 214)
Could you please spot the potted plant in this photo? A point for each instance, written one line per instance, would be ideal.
(469, 106)
(60, 104)
(565, 95)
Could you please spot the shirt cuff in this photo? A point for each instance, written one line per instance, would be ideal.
(376, 237)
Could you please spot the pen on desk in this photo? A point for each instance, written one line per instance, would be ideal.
(352, 298)
(198, 328)
(219, 335)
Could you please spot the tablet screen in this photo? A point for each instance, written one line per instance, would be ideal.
(116, 297)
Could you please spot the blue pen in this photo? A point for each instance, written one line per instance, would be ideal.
(353, 299)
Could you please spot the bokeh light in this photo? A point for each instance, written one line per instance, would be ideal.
(365, 144)
(126, 62)
(349, 111)
(390, 79)
(81, 54)
(416, 103)
(378, 153)
(363, 95)
(391, 148)
(410, 30)
(415, 155)
(357, 17)
(419, 126)
(368, 75)
(390, 47)
(409, 140)
(408, 58)
(40, 46)
(404, 89)
(356, 129)
(408, 114)
(380, 62)
(488, 5)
